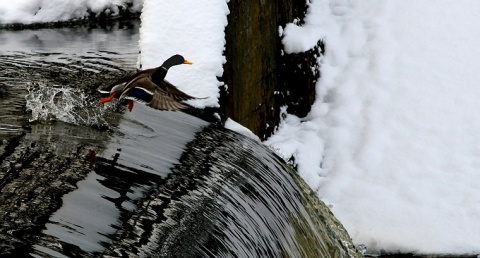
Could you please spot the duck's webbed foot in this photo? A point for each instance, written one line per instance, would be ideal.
(108, 99)
(130, 105)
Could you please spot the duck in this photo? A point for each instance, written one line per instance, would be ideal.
(150, 87)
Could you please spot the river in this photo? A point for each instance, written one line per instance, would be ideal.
(79, 179)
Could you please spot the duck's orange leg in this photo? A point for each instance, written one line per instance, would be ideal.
(130, 105)
(108, 99)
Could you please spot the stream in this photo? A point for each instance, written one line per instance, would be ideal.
(81, 179)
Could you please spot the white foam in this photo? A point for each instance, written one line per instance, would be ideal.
(57, 103)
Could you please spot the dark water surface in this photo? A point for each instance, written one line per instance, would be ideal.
(82, 180)
(51, 62)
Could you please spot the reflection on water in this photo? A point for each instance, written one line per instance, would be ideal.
(86, 216)
(148, 143)
(152, 141)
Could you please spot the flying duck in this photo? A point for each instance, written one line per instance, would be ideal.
(150, 87)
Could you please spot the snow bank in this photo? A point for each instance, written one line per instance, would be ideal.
(392, 143)
(38, 11)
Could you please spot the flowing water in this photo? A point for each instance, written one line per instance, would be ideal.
(79, 179)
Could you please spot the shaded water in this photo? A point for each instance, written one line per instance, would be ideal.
(79, 179)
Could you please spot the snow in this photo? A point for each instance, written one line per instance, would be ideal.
(392, 142)
(37, 11)
(396, 121)
(234, 126)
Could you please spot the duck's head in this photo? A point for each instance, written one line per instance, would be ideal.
(175, 60)
(159, 74)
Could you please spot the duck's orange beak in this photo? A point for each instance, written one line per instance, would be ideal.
(187, 62)
(108, 99)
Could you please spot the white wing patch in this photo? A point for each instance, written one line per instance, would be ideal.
(147, 91)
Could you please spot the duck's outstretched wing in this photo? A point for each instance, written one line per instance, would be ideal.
(161, 100)
(173, 92)
(144, 90)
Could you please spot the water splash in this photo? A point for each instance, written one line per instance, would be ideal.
(59, 103)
